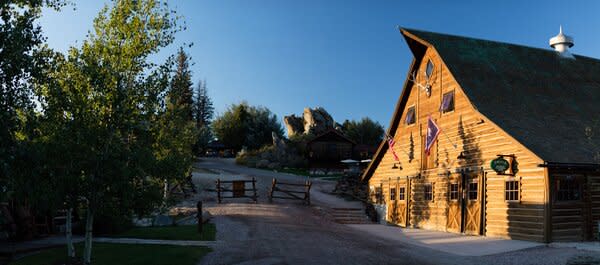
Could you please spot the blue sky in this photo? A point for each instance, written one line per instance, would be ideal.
(346, 56)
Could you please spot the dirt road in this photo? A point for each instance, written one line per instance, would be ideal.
(291, 233)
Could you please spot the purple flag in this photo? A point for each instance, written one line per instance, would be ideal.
(432, 133)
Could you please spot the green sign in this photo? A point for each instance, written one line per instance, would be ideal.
(500, 165)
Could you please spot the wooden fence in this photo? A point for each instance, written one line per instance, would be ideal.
(237, 188)
(289, 193)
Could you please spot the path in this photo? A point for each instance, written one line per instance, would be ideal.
(290, 233)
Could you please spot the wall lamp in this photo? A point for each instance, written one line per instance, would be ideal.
(397, 166)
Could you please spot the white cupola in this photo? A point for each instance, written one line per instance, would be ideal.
(561, 43)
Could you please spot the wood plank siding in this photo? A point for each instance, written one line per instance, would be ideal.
(505, 104)
(463, 130)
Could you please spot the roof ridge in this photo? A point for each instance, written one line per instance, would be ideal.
(416, 31)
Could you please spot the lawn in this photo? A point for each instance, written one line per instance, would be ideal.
(295, 171)
(125, 254)
(183, 232)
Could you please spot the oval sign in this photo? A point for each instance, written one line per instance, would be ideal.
(500, 165)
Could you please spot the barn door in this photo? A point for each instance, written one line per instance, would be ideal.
(454, 220)
(472, 205)
(402, 203)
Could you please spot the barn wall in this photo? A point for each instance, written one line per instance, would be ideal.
(464, 130)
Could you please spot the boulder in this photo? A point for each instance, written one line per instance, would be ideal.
(263, 163)
(206, 216)
(163, 220)
(279, 146)
(274, 165)
(142, 222)
(317, 120)
(294, 125)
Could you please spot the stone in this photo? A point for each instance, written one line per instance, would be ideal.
(274, 165)
(162, 220)
(317, 120)
(142, 222)
(206, 216)
(294, 125)
(279, 145)
(263, 163)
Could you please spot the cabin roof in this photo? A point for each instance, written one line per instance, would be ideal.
(543, 100)
(331, 135)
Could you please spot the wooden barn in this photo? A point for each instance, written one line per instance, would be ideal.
(327, 149)
(511, 149)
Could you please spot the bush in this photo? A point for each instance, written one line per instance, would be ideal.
(105, 224)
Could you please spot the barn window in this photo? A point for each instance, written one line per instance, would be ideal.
(447, 102)
(453, 191)
(472, 193)
(568, 189)
(392, 194)
(410, 116)
(401, 193)
(511, 190)
(428, 191)
(429, 69)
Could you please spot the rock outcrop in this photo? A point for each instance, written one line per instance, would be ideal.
(294, 125)
(313, 121)
(317, 120)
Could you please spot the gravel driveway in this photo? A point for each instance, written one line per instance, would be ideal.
(287, 232)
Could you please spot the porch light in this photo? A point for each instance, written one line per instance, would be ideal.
(397, 166)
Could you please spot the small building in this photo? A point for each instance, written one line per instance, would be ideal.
(326, 150)
(513, 157)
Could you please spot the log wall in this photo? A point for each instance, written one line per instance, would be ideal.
(468, 131)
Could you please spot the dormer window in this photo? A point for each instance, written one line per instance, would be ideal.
(447, 102)
(410, 116)
(429, 69)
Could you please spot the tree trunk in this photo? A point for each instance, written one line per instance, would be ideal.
(69, 231)
(87, 253)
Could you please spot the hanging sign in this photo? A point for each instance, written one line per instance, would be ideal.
(500, 165)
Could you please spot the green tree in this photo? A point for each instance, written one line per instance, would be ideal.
(203, 115)
(180, 96)
(175, 130)
(203, 106)
(108, 96)
(365, 131)
(244, 125)
(20, 38)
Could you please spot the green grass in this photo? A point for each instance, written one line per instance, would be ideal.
(295, 171)
(183, 232)
(125, 254)
(329, 177)
(205, 171)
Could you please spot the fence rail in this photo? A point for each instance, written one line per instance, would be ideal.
(237, 188)
(289, 194)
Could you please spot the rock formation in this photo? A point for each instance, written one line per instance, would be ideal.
(294, 125)
(317, 120)
(313, 121)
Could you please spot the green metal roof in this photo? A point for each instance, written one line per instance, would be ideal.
(543, 100)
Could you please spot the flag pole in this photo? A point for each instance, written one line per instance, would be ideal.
(389, 136)
(453, 144)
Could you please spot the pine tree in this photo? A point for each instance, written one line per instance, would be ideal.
(181, 93)
(203, 114)
(203, 106)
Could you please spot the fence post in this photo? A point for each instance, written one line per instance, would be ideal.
(273, 183)
(199, 216)
(308, 185)
(254, 190)
(219, 190)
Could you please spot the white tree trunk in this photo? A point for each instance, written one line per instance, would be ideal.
(87, 253)
(69, 232)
